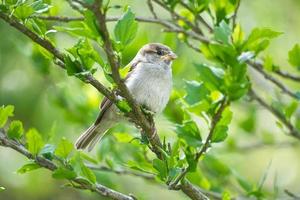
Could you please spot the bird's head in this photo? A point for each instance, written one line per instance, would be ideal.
(156, 53)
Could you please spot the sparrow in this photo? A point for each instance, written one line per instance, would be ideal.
(149, 81)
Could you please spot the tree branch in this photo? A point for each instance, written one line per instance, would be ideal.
(287, 75)
(292, 130)
(235, 13)
(198, 16)
(136, 115)
(46, 44)
(146, 176)
(258, 67)
(47, 164)
(216, 118)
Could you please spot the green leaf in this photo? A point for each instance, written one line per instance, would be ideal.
(262, 33)
(294, 56)
(73, 66)
(23, 11)
(216, 166)
(90, 21)
(86, 172)
(190, 158)
(226, 195)
(80, 168)
(238, 36)
(222, 32)
(5, 112)
(243, 183)
(64, 148)
(220, 133)
(259, 39)
(40, 7)
(88, 158)
(290, 110)
(196, 92)
(28, 167)
(2, 188)
(126, 28)
(47, 151)
(15, 130)
(34, 141)
(161, 168)
(190, 133)
(211, 76)
(123, 106)
(63, 173)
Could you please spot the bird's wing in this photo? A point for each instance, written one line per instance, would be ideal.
(106, 103)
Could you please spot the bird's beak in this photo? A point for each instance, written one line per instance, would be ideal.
(169, 57)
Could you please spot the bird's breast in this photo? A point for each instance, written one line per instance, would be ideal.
(151, 86)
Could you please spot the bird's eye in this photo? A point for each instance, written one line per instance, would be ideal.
(160, 52)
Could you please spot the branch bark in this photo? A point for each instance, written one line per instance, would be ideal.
(47, 164)
(258, 67)
(292, 130)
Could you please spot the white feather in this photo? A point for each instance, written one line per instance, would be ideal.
(151, 85)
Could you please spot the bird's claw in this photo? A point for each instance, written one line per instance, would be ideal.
(147, 112)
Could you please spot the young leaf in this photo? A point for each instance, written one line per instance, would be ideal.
(211, 77)
(5, 112)
(126, 28)
(34, 141)
(47, 151)
(238, 36)
(86, 172)
(190, 133)
(81, 169)
(15, 130)
(222, 32)
(64, 148)
(259, 39)
(88, 158)
(196, 92)
(220, 133)
(73, 67)
(294, 56)
(123, 106)
(161, 168)
(63, 173)
(28, 167)
(23, 11)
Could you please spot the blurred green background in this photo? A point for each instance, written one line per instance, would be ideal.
(46, 98)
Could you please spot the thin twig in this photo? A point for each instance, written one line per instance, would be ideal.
(123, 172)
(258, 67)
(59, 18)
(46, 44)
(216, 118)
(47, 164)
(287, 75)
(198, 16)
(150, 6)
(292, 130)
(294, 196)
(235, 13)
(176, 16)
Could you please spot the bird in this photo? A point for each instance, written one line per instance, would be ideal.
(149, 81)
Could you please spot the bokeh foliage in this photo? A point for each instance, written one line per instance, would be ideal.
(65, 106)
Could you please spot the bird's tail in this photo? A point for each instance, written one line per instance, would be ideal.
(90, 137)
